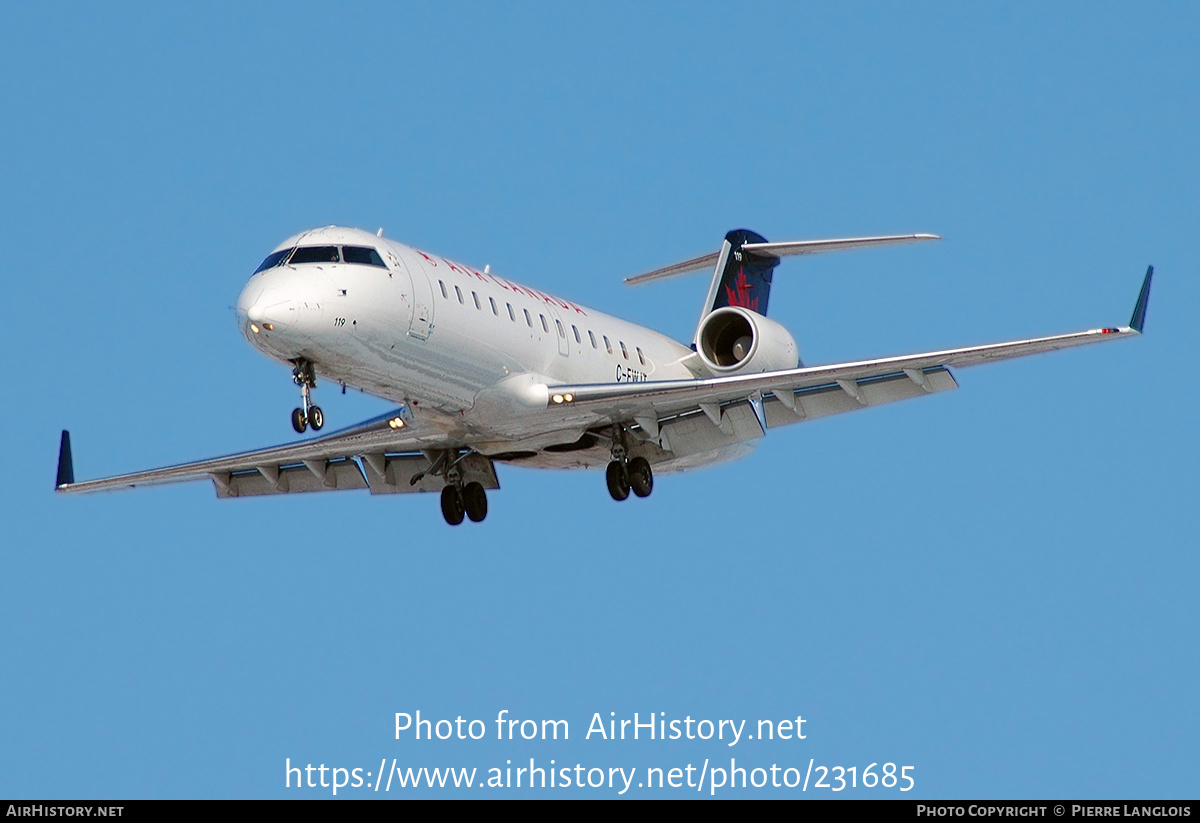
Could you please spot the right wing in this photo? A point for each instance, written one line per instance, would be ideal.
(383, 454)
(649, 401)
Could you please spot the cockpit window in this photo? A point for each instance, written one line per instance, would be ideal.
(315, 254)
(273, 260)
(362, 255)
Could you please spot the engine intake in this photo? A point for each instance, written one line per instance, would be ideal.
(735, 339)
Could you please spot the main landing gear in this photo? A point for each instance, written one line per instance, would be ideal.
(305, 376)
(624, 474)
(470, 501)
(459, 499)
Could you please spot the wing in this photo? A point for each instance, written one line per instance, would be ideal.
(649, 403)
(383, 454)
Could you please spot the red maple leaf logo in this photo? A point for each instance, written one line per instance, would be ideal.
(739, 294)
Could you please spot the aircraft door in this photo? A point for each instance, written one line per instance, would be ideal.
(421, 322)
(559, 330)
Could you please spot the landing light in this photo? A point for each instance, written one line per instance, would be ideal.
(269, 326)
(562, 398)
(396, 423)
(254, 328)
(558, 398)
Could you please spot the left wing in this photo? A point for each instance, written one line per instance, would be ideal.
(382, 454)
(646, 401)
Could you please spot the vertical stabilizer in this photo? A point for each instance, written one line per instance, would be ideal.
(741, 278)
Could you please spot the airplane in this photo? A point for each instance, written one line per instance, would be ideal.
(483, 370)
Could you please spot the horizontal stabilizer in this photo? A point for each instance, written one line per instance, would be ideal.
(777, 250)
(704, 262)
(814, 246)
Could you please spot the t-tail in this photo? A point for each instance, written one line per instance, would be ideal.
(742, 277)
(746, 263)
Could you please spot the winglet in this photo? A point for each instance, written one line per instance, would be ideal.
(1139, 311)
(66, 466)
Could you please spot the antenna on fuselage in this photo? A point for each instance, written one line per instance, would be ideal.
(380, 232)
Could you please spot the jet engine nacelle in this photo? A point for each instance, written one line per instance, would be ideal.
(734, 339)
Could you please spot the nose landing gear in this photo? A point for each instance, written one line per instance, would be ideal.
(305, 376)
(624, 474)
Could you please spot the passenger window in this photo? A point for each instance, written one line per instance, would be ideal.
(528, 319)
(495, 311)
(592, 337)
(475, 297)
(575, 329)
(511, 316)
(607, 344)
(641, 357)
(545, 325)
(624, 351)
(458, 291)
(561, 333)
(445, 294)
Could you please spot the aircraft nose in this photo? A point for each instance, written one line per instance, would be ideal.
(272, 315)
(265, 310)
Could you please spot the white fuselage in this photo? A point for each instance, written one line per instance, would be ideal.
(469, 352)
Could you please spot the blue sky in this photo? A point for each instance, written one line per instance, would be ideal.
(995, 586)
